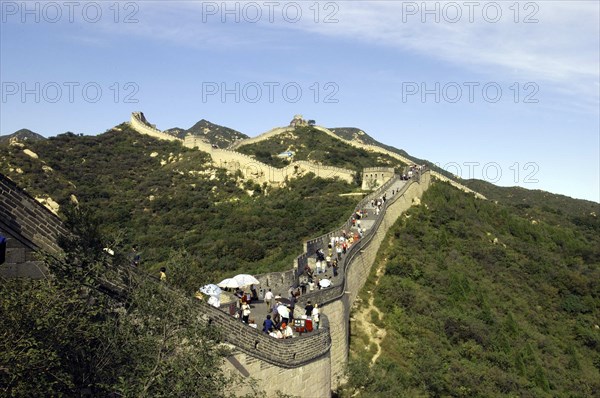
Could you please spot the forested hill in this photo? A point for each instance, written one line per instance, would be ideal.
(21, 135)
(485, 299)
(213, 133)
(354, 134)
(171, 202)
(308, 143)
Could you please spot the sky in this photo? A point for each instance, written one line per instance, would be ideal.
(507, 92)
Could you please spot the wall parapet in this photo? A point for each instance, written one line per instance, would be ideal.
(360, 145)
(29, 219)
(284, 353)
(250, 167)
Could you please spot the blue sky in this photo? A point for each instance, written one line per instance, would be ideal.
(508, 92)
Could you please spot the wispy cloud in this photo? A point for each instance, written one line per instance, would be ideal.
(559, 51)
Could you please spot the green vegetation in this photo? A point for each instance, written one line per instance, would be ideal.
(483, 300)
(311, 144)
(352, 133)
(169, 201)
(213, 133)
(96, 329)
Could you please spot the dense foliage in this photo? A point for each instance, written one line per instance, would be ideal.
(308, 143)
(178, 209)
(352, 133)
(97, 329)
(485, 299)
(213, 133)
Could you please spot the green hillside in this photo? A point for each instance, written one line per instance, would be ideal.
(175, 206)
(308, 143)
(22, 135)
(480, 298)
(354, 134)
(485, 299)
(213, 133)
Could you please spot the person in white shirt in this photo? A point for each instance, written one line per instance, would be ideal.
(268, 298)
(315, 316)
(287, 332)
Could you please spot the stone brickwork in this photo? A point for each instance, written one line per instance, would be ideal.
(29, 226)
(374, 177)
(251, 168)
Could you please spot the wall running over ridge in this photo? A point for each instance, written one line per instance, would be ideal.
(251, 168)
(356, 144)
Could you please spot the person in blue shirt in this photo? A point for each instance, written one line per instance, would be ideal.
(268, 324)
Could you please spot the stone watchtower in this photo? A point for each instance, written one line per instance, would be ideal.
(374, 177)
(298, 121)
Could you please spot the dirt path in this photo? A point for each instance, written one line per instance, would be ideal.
(363, 321)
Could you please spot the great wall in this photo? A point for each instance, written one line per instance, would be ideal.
(312, 365)
(250, 167)
(261, 172)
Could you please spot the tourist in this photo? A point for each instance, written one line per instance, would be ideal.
(254, 293)
(163, 274)
(288, 333)
(267, 324)
(308, 309)
(276, 333)
(268, 298)
(252, 324)
(245, 312)
(315, 317)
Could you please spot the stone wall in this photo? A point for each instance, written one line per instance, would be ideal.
(356, 144)
(28, 226)
(311, 380)
(138, 123)
(374, 177)
(261, 172)
(337, 301)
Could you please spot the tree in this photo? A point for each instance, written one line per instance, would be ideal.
(67, 335)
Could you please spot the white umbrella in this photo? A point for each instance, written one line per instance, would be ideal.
(246, 280)
(325, 283)
(211, 289)
(229, 282)
(283, 311)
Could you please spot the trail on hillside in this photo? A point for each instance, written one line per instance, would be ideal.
(362, 318)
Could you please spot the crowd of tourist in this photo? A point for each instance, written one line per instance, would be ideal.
(412, 170)
(280, 310)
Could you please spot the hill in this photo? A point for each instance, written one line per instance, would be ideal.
(173, 204)
(213, 133)
(354, 134)
(21, 135)
(308, 143)
(484, 299)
